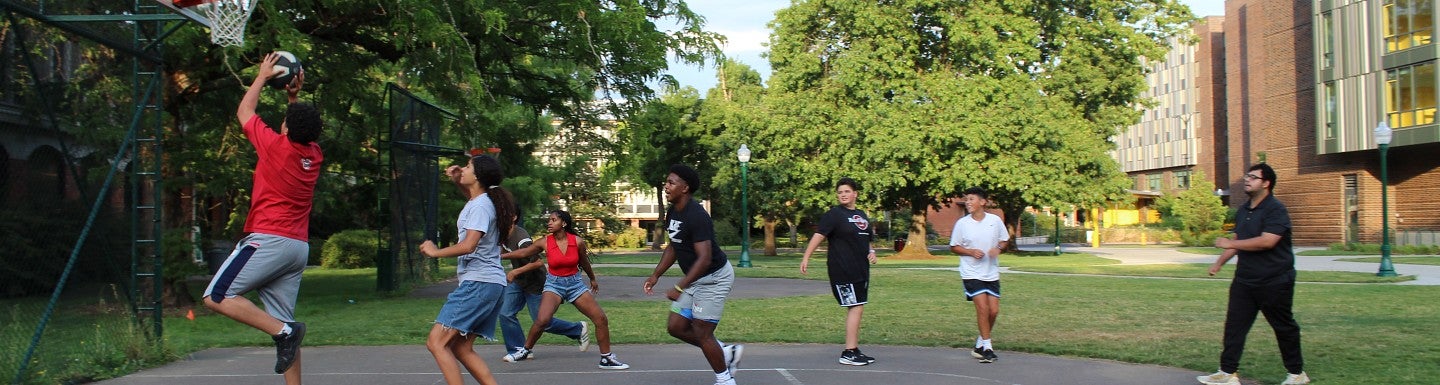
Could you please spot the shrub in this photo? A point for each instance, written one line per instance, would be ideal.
(726, 233)
(630, 238)
(350, 249)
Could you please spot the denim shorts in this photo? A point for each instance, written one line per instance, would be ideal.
(472, 308)
(568, 288)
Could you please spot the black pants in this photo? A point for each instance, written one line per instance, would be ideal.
(1275, 302)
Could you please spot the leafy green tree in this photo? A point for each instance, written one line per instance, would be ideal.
(662, 133)
(1201, 213)
(504, 67)
(922, 99)
(736, 113)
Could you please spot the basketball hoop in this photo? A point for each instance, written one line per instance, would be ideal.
(227, 21)
(225, 18)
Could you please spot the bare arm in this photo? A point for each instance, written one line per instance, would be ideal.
(585, 264)
(524, 252)
(702, 263)
(523, 269)
(810, 249)
(252, 95)
(667, 259)
(1265, 241)
(1222, 260)
(472, 238)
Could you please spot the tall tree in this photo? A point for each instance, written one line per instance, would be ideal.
(662, 133)
(502, 66)
(921, 99)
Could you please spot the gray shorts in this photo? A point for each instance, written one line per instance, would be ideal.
(269, 264)
(705, 298)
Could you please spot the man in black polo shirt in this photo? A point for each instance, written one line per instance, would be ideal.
(1264, 279)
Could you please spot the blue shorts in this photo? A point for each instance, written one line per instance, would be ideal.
(472, 308)
(568, 288)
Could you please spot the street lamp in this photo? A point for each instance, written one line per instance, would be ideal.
(744, 155)
(1057, 230)
(1383, 135)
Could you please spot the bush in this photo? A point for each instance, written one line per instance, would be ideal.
(350, 249)
(630, 238)
(726, 233)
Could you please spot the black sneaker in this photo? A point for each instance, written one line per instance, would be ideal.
(868, 359)
(608, 361)
(853, 357)
(978, 353)
(989, 356)
(287, 346)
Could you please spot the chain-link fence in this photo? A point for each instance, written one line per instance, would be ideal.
(413, 202)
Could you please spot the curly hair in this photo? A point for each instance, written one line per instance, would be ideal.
(303, 122)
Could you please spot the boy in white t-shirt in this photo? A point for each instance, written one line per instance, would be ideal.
(978, 238)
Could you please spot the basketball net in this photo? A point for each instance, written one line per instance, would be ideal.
(227, 21)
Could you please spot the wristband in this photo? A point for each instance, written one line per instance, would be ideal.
(677, 288)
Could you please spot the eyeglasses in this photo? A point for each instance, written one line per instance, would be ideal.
(1253, 177)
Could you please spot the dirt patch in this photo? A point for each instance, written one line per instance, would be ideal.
(915, 254)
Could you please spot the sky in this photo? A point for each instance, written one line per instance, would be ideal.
(743, 22)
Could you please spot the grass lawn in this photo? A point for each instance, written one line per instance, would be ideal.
(1423, 260)
(1171, 322)
(1200, 250)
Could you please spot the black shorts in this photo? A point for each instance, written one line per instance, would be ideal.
(974, 287)
(850, 294)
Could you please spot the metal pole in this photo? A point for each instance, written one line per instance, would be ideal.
(744, 208)
(1386, 268)
(1057, 232)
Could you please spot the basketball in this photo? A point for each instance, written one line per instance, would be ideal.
(285, 69)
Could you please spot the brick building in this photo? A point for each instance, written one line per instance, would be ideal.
(1306, 82)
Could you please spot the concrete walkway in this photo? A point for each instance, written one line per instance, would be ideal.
(1424, 274)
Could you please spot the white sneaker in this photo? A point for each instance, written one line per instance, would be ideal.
(733, 353)
(729, 380)
(584, 336)
(1220, 378)
(1296, 379)
(519, 355)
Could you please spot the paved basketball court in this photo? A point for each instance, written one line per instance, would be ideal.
(657, 365)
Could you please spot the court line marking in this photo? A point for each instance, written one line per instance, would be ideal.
(785, 372)
(788, 377)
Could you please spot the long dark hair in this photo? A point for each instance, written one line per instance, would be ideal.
(569, 221)
(490, 173)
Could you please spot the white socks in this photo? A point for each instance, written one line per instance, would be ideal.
(982, 343)
(285, 330)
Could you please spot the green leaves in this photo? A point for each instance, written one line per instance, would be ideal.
(921, 99)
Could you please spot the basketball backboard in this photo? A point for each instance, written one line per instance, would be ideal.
(226, 19)
(188, 9)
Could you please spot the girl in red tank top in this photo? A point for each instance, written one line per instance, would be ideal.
(565, 255)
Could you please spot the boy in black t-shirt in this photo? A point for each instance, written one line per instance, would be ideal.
(699, 296)
(847, 260)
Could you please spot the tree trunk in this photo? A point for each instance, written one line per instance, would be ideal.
(916, 246)
(794, 233)
(770, 235)
(658, 232)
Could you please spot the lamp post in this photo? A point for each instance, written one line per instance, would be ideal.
(1383, 135)
(744, 155)
(1057, 231)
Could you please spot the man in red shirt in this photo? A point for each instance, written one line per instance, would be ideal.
(272, 256)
